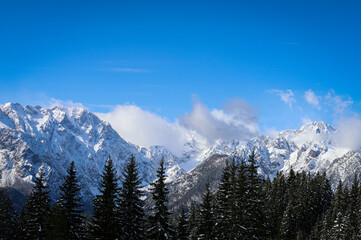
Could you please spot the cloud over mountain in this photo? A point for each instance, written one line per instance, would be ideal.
(236, 119)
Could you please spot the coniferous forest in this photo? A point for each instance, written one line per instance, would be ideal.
(245, 206)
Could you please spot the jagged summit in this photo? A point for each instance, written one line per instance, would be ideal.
(32, 137)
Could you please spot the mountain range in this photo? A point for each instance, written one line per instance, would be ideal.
(33, 137)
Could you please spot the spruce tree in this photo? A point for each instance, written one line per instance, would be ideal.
(193, 222)
(206, 216)
(223, 206)
(276, 205)
(159, 226)
(131, 212)
(58, 227)
(36, 211)
(353, 209)
(182, 230)
(7, 217)
(70, 204)
(241, 189)
(104, 222)
(255, 215)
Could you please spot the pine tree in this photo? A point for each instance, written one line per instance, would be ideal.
(353, 209)
(276, 205)
(58, 228)
(240, 201)
(7, 217)
(130, 203)
(206, 216)
(182, 230)
(193, 222)
(339, 228)
(224, 205)
(160, 228)
(104, 223)
(70, 204)
(255, 216)
(36, 211)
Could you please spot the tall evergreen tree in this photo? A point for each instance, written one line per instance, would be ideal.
(193, 222)
(104, 223)
(353, 209)
(276, 205)
(7, 217)
(223, 206)
(159, 226)
(182, 230)
(70, 204)
(58, 227)
(206, 216)
(131, 203)
(36, 211)
(255, 216)
(241, 189)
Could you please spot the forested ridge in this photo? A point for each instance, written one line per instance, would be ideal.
(245, 206)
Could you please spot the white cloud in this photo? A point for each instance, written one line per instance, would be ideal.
(306, 120)
(145, 128)
(312, 99)
(349, 133)
(236, 120)
(338, 103)
(286, 96)
(65, 103)
(272, 132)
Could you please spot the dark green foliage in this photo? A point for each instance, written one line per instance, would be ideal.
(34, 217)
(131, 213)
(193, 222)
(70, 205)
(8, 218)
(207, 219)
(104, 222)
(254, 209)
(182, 230)
(159, 226)
(58, 227)
(224, 205)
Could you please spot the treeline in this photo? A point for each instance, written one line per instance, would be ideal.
(245, 206)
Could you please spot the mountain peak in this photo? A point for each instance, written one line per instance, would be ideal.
(317, 127)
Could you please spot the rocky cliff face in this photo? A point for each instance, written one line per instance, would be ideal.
(32, 137)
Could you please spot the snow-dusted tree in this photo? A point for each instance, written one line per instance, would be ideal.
(353, 209)
(70, 204)
(130, 211)
(36, 211)
(104, 223)
(159, 225)
(7, 217)
(339, 228)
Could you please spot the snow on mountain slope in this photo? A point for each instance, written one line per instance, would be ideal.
(31, 137)
(312, 148)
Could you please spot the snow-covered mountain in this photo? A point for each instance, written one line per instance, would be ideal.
(313, 148)
(32, 137)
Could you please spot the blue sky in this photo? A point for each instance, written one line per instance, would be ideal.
(159, 55)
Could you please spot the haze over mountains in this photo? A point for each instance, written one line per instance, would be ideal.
(32, 137)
